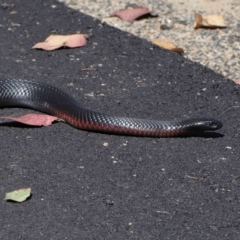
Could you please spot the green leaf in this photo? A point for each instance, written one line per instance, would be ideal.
(19, 195)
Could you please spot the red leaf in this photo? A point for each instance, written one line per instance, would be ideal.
(237, 81)
(34, 119)
(130, 14)
(56, 41)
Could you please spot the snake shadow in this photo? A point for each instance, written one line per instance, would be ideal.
(207, 135)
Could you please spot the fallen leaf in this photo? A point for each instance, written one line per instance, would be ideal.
(167, 45)
(34, 119)
(209, 21)
(18, 195)
(130, 14)
(237, 81)
(56, 41)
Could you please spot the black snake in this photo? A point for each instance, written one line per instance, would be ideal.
(48, 99)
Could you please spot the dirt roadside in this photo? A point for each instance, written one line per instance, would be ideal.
(218, 49)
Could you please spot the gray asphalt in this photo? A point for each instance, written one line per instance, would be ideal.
(88, 185)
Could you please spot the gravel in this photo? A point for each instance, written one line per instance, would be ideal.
(218, 49)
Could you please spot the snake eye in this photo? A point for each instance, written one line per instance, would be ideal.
(214, 124)
(210, 123)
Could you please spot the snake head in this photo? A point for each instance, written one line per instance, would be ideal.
(208, 124)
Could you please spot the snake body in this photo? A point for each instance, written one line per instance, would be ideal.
(48, 99)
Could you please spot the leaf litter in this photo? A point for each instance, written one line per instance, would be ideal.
(130, 14)
(34, 119)
(167, 45)
(19, 195)
(209, 21)
(57, 41)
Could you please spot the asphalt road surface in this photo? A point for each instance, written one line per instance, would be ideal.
(88, 185)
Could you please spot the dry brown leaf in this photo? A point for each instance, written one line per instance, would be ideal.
(167, 45)
(56, 41)
(130, 14)
(209, 21)
(34, 119)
